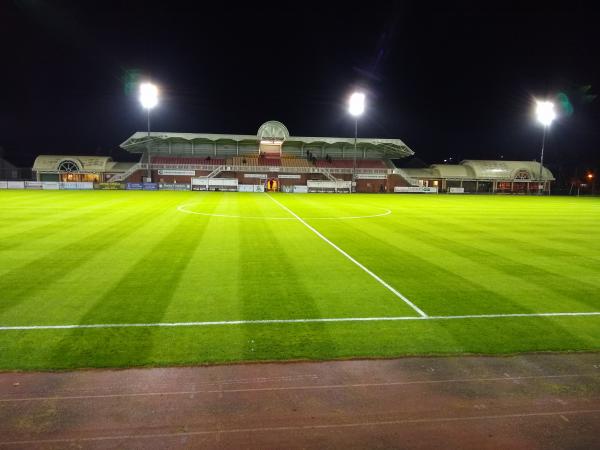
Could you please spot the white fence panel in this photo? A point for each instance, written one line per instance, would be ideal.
(15, 184)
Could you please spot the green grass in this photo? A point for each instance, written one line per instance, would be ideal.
(133, 257)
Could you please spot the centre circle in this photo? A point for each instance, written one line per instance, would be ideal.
(384, 212)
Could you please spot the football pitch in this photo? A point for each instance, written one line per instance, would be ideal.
(117, 279)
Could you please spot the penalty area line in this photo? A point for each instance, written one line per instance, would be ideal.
(292, 321)
(369, 272)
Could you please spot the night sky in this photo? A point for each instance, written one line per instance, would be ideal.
(451, 81)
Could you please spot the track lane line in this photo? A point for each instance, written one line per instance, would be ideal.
(309, 387)
(317, 426)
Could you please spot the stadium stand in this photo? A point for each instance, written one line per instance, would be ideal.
(245, 161)
(269, 161)
(349, 163)
(183, 161)
(295, 162)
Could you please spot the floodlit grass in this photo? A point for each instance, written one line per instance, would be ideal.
(134, 257)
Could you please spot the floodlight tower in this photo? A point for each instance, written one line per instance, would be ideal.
(148, 99)
(544, 111)
(356, 107)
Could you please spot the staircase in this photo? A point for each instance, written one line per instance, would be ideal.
(328, 174)
(122, 176)
(217, 170)
(411, 181)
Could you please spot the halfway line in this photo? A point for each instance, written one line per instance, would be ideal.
(377, 278)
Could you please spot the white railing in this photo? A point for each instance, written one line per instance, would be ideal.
(329, 172)
(250, 168)
(410, 180)
(124, 175)
(217, 170)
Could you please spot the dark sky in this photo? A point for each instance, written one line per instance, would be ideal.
(451, 80)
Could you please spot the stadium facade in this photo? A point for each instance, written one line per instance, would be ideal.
(272, 159)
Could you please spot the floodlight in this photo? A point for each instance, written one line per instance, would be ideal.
(544, 111)
(148, 95)
(356, 106)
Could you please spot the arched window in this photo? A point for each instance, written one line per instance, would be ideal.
(522, 175)
(68, 166)
(273, 131)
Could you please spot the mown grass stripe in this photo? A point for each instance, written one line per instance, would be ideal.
(369, 272)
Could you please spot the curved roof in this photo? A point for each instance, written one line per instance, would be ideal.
(420, 172)
(507, 170)
(51, 163)
(453, 171)
(484, 170)
(138, 142)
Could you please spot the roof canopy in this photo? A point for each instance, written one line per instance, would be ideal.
(507, 170)
(270, 131)
(484, 170)
(84, 163)
(62, 163)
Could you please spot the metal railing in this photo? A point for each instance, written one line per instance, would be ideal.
(251, 168)
(329, 172)
(405, 176)
(124, 175)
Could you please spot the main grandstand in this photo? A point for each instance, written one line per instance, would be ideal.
(275, 161)
(271, 158)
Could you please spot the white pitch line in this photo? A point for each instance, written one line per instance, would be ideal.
(182, 208)
(284, 321)
(376, 277)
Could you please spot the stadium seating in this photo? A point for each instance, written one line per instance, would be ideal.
(244, 161)
(295, 162)
(349, 163)
(269, 161)
(184, 161)
(371, 164)
(253, 160)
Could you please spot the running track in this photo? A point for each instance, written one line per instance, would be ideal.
(519, 402)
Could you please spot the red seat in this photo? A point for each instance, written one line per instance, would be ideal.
(187, 161)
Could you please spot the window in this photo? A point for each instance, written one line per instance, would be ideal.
(68, 166)
(522, 175)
